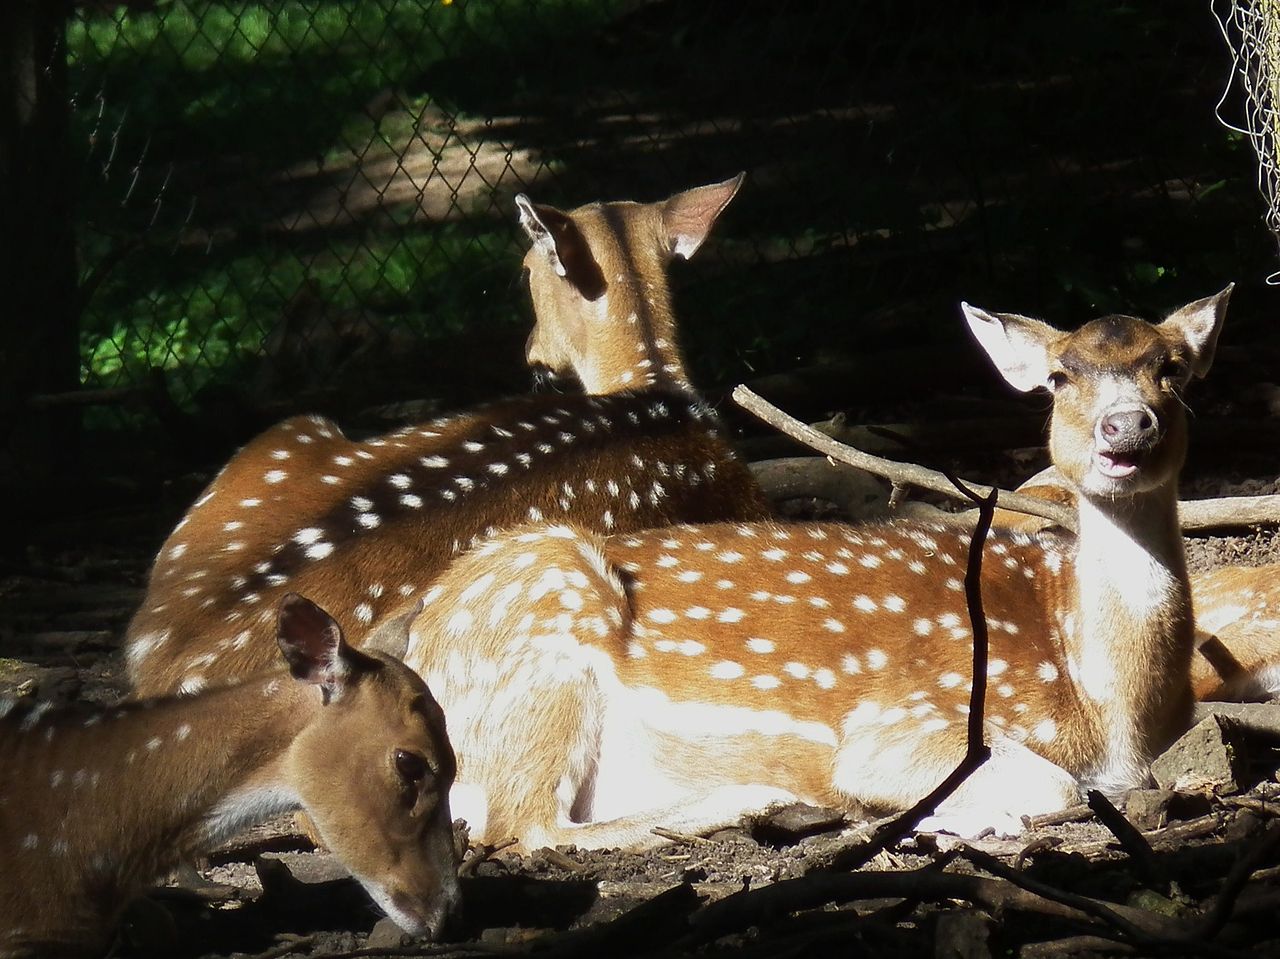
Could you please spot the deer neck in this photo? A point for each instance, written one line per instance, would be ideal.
(635, 318)
(247, 779)
(206, 767)
(119, 795)
(1129, 634)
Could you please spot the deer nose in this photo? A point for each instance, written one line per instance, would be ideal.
(1131, 428)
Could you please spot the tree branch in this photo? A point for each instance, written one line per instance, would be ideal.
(898, 473)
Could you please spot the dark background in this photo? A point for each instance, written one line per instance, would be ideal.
(222, 212)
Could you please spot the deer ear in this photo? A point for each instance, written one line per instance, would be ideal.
(1198, 324)
(689, 216)
(392, 634)
(1018, 345)
(557, 238)
(312, 644)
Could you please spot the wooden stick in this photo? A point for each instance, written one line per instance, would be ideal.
(793, 477)
(1127, 834)
(1197, 515)
(1223, 906)
(756, 906)
(907, 473)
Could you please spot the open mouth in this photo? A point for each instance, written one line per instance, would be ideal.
(1116, 465)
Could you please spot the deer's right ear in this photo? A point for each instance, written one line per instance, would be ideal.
(557, 238)
(689, 216)
(1018, 345)
(312, 644)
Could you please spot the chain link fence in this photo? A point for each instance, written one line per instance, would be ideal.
(281, 204)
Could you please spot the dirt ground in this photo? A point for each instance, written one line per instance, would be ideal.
(780, 886)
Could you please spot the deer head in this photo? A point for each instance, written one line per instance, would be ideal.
(1118, 426)
(105, 799)
(597, 276)
(374, 770)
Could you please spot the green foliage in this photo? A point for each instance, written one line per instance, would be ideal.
(216, 102)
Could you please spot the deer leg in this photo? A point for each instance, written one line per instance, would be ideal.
(718, 808)
(893, 761)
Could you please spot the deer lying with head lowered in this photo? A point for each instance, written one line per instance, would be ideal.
(364, 527)
(598, 686)
(96, 802)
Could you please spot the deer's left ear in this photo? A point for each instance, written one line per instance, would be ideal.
(312, 644)
(1018, 345)
(1197, 325)
(391, 636)
(689, 216)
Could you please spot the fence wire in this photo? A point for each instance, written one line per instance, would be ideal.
(1252, 31)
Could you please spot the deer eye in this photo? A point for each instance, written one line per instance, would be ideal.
(1057, 379)
(1172, 372)
(412, 767)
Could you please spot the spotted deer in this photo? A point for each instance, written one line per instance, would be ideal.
(96, 802)
(598, 686)
(364, 526)
(1238, 633)
(1237, 613)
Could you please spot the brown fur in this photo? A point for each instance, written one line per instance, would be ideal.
(364, 527)
(98, 802)
(1239, 643)
(847, 647)
(1237, 613)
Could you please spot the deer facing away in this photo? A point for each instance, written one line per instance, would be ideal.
(97, 802)
(597, 686)
(364, 527)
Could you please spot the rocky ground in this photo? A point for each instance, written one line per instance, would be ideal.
(1185, 868)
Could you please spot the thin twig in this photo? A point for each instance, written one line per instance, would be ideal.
(1127, 834)
(482, 852)
(1232, 886)
(897, 472)
(1091, 907)
(1194, 515)
(976, 750)
(756, 907)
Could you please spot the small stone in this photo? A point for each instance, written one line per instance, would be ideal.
(387, 935)
(1209, 757)
(277, 869)
(1148, 808)
(962, 934)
